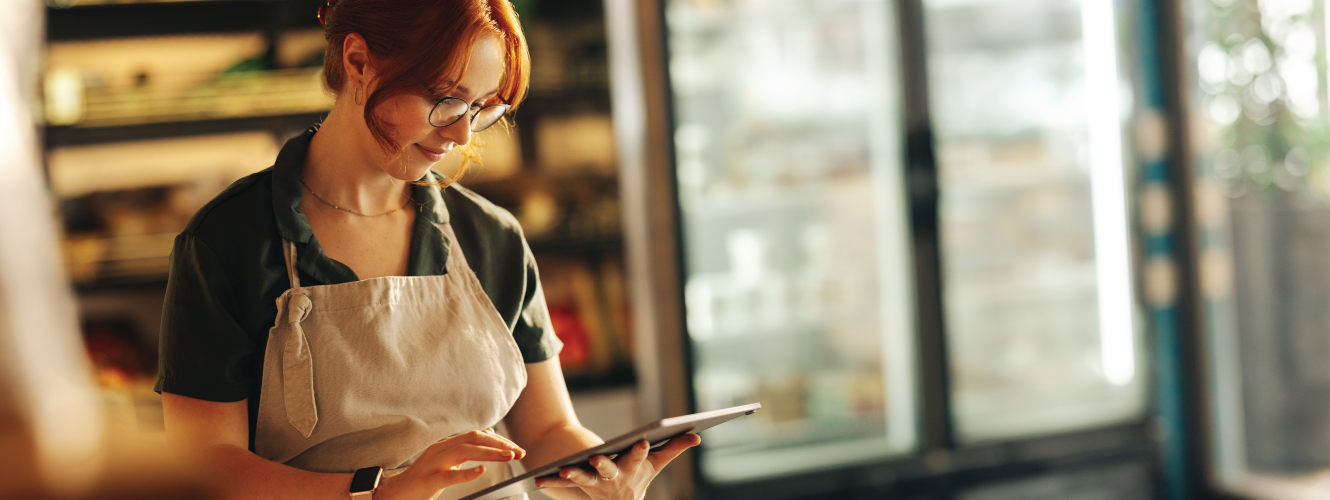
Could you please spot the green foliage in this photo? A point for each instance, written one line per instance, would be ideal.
(1261, 73)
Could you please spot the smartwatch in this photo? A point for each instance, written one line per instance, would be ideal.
(364, 482)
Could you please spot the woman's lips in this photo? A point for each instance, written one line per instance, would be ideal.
(431, 154)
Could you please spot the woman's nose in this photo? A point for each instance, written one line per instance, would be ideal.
(459, 132)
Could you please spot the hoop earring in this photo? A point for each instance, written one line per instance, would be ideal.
(358, 98)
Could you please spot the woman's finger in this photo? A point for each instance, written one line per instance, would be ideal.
(486, 437)
(504, 439)
(605, 467)
(479, 438)
(635, 456)
(457, 455)
(579, 476)
(671, 450)
(633, 459)
(444, 478)
(555, 482)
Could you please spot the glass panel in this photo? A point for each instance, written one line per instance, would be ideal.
(798, 284)
(1036, 277)
(1259, 109)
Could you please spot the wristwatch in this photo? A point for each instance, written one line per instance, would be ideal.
(364, 482)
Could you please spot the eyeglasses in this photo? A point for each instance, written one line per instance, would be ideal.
(448, 110)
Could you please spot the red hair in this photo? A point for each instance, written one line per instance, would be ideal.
(415, 44)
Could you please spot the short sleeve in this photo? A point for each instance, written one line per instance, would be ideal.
(204, 353)
(533, 332)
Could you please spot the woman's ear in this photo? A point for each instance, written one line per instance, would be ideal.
(355, 60)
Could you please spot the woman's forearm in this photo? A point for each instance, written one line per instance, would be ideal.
(214, 435)
(560, 442)
(243, 474)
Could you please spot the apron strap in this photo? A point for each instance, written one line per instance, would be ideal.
(289, 254)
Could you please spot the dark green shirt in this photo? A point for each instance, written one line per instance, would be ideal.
(227, 272)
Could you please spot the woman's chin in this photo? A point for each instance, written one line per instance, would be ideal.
(413, 172)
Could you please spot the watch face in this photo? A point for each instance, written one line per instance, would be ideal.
(365, 479)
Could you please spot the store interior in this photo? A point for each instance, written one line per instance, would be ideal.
(957, 249)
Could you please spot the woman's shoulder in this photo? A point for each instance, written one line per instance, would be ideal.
(242, 206)
(470, 208)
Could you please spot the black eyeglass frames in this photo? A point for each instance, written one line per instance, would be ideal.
(448, 110)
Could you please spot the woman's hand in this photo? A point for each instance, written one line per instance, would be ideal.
(437, 468)
(625, 478)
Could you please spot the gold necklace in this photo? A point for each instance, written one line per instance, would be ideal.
(347, 210)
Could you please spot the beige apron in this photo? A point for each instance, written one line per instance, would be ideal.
(372, 372)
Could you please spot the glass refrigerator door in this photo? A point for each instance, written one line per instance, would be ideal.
(1263, 218)
(1027, 106)
(798, 280)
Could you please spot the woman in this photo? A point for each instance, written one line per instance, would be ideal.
(349, 313)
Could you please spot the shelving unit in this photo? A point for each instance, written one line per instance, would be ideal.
(90, 22)
(121, 116)
(285, 124)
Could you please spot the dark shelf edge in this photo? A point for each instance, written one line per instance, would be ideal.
(177, 18)
(133, 282)
(56, 136)
(570, 100)
(621, 376)
(576, 247)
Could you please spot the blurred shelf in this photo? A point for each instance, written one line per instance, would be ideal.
(722, 202)
(763, 436)
(233, 95)
(59, 135)
(617, 377)
(121, 284)
(572, 247)
(167, 18)
(787, 330)
(566, 101)
(163, 127)
(116, 261)
(983, 185)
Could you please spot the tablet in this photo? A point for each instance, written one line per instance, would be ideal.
(655, 433)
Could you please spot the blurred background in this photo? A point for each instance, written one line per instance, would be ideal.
(958, 249)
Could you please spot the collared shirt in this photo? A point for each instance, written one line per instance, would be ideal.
(227, 272)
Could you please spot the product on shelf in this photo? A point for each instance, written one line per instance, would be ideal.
(582, 314)
(180, 78)
(123, 203)
(118, 356)
(569, 145)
